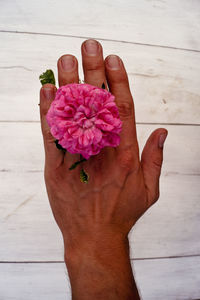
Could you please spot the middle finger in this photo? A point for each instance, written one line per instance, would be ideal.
(94, 74)
(93, 63)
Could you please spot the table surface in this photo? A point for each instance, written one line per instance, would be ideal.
(159, 43)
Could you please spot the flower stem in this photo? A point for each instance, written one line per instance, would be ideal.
(77, 163)
(59, 146)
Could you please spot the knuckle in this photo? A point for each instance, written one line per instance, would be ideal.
(98, 162)
(157, 164)
(127, 160)
(48, 136)
(92, 66)
(44, 107)
(125, 109)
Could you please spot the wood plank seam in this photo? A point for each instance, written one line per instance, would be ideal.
(100, 39)
(137, 123)
(62, 261)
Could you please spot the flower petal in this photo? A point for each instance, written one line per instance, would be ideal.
(84, 119)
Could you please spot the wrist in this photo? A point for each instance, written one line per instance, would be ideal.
(101, 268)
(99, 246)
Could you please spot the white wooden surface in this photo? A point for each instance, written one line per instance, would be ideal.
(172, 23)
(162, 279)
(156, 234)
(165, 82)
(164, 79)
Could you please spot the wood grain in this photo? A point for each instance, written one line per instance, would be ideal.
(159, 43)
(34, 281)
(164, 82)
(181, 147)
(166, 279)
(29, 233)
(159, 22)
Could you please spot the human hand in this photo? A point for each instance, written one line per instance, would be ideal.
(99, 215)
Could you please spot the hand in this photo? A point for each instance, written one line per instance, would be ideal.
(95, 218)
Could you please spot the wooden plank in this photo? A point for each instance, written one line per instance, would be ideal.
(28, 231)
(156, 279)
(169, 228)
(165, 82)
(181, 149)
(167, 23)
(169, 279)
(34, 281)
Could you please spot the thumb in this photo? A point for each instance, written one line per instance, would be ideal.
(151, 162)
(53, 156)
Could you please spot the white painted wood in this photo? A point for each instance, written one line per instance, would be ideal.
(166, 87)
(34, 281)
(27, 227)
(181, 155)
(160, 22)
(165, 82)
(19, 188)
(166, 279)
(170, 226)
(28, 231)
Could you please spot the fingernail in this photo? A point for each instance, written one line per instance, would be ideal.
(48, 93)
(91, 47)
(113, 62)
(162, 139)
(67, 62)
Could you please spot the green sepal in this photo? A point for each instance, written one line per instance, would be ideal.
(103, 86)
(59, 146)
(47, 77)
(84, 177)
(77, 163)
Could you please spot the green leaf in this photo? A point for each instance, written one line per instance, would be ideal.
(103, 86)
(47, 77)
(84, 177)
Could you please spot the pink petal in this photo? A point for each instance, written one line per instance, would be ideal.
(103, 125)
(84, 119)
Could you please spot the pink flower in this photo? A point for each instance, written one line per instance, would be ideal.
(84, 119)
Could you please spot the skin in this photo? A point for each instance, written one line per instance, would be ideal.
(95, 218)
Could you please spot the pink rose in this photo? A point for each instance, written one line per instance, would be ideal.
(84, 119)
